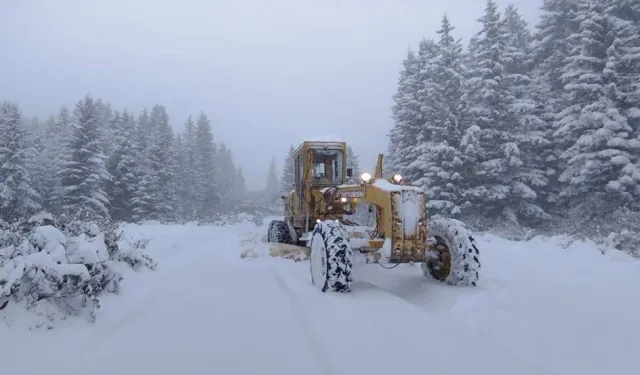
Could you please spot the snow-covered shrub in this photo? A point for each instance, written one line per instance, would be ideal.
(604, 221)
(626, 241)
(69, 268)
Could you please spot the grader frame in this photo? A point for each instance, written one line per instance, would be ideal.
(314, 222)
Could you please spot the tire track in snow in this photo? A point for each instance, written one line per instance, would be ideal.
(315, 347)
(470, 323)
(423, 339)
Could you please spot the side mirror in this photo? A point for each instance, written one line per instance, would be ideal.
(349, 172)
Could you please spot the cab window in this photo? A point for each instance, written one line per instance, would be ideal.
(327, 167)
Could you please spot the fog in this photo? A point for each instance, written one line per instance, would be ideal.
(267, 73)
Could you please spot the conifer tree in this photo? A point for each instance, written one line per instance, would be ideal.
(18, 199)
(84, 174)
(403, 137)
(123, 165)
(273, 185)
(189, 173)
(226, 172)
(240, 186)
(439, 160)
(206, 192)
(602, 153)
(493, 179)
(161, 154)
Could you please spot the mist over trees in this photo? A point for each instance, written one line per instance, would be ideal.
(96, 162)
(527, 128)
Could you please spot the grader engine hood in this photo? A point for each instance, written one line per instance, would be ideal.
(408, 226)
(402, 220)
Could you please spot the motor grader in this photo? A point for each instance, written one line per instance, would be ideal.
(316, 215)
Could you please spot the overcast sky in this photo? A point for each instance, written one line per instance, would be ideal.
(268, 73)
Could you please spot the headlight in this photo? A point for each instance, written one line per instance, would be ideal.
(365, 177)
(397, 178)
(343, 200)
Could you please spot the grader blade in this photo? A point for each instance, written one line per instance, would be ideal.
(293, 252)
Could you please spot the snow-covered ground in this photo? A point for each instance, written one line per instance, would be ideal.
(539, 309)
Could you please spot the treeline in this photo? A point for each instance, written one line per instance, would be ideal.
(98, 163)
(528, 129)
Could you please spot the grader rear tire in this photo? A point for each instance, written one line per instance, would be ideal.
(278, 232)
(456, 259)
(331, 257)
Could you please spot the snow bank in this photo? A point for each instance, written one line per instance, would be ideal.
(56, 274)
(223, 219)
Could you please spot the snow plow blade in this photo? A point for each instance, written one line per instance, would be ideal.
(293, 252)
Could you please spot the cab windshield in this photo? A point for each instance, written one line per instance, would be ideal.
(327, 167)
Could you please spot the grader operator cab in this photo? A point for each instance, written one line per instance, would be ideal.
(315, 220)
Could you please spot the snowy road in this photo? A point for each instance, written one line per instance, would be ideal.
(538, 310)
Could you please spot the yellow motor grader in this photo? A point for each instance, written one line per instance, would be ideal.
(315, 218)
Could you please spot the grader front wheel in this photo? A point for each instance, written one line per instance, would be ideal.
(454, 258)
(331, 257)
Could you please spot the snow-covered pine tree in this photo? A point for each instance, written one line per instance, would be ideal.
(162, 156)
(181, 174)
(550, 47)
(530, 131)
(36, 138)
(623, 16)
(239, 182)
(551, 44)
(407, 119)
(58, 137)
(84, 174)
(123, 166)
(287, 179)
(105, 121)
(226, 172)
(482, 190)
(206, 190)
(18, 199)
(42, 167)
(144, 131)
(491, 183)
(272, 190)
(601, 171)
(189, 173)
(441, 94)
(143, 197)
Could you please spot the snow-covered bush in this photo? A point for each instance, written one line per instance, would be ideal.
(626, 241)
(68, 267)
(604, 221)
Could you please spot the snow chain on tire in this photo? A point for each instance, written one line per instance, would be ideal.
(278, 232)
(339, 256)
(464, 254)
